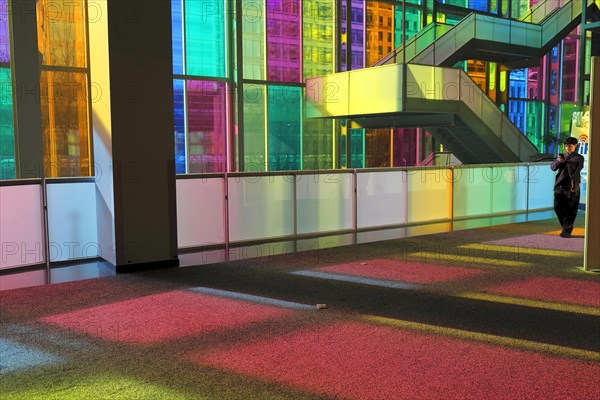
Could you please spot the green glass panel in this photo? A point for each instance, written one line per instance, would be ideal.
(318, 38)
(254, 128)
(205, 38)
(413, 23)
(284, 128)
(357, 148)
(253, 39)
(535, 124)
(7, 139)
(317, 144)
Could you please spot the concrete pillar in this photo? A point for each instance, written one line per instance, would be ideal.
(591, 258)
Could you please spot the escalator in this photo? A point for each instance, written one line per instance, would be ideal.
(415, 86)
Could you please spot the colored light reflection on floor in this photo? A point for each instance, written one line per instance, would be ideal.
(15, 356)
(553, 289)
(165, 316)
(402, 271)
(361, 361)
(98, 387)
(543, 241)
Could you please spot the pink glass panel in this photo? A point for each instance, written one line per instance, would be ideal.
(207, 126)
(284, 33)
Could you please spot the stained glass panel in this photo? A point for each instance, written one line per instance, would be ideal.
(65, 128)
(284, 128)
(205, 38)
(7, 140)
(61, 32)
(207, 126)
(284, 49)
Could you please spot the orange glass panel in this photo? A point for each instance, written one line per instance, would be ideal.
(65, 125)
(62, 32)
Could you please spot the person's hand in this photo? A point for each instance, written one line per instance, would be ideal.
(560, 158)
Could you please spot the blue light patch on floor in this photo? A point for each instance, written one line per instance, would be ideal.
(16, 356)
(42, 335)
(359, 279)
(253, 299)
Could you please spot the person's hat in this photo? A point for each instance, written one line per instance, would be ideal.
(571, 140)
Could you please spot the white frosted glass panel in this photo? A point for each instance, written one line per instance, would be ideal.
(429, 195)
(72, 229)
(382, 198)
(260, 207)
(541, 186)
(324, 202)
(21, 230)
(200, 218)
(509, 189)
(472, 191)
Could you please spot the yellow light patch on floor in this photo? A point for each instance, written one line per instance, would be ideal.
(576, 232)
(522, 250)
(438, 258)
(531, 303)
(486, 338)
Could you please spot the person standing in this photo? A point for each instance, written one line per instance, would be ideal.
(566, 186)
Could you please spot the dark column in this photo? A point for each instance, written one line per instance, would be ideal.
(142, 123)
(26, 89)
(591, 258)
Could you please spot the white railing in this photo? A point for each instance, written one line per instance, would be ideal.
(224, 209)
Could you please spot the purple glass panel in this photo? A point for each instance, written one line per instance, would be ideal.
(207, 126)
(4, 42)
(405, 147)
(284, 33)
(357, 35)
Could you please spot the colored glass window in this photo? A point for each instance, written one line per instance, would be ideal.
(4, 41)
(62, 32)
(379, 24)
(254, 128)
(405, 147)
(357, 148)
(413, 23)
(318, 39)
(177, 27)
(253, 40)
(179, 110)
(284, 128)
(7, 140)
(205, 38)
(378, 148)
(65, 130)
(284, 52)
(207, 126)
(480, 5)
(317, 144)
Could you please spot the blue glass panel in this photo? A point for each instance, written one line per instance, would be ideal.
(177, 27)
(179, 97)
(481, 5)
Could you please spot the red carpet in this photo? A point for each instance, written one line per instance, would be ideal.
(412, 272)
(553, 289)
(165, 316)
(358, 361)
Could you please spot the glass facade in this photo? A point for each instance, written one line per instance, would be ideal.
(239, 103)
(64, 87)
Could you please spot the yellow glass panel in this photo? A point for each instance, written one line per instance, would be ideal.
(65, 128)
(62, 32)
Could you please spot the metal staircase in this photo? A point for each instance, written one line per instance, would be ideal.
(414, 85)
